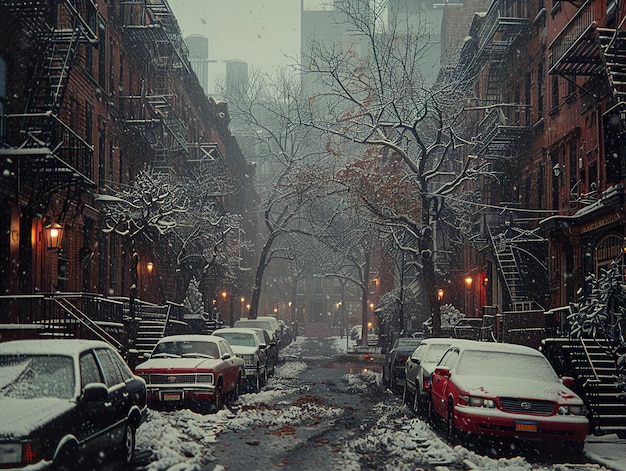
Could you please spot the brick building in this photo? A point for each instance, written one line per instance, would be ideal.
(548, 88)
(90, 94)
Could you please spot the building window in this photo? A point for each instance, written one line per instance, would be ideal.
(555, 93)
(102, 54)
(89, 123)
(573, 166)
(3, 94)
(540, 92)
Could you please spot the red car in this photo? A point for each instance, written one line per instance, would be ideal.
(503, 390)
(196, 371)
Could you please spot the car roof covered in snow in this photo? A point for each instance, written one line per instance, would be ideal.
(189, 338)
(50, 346)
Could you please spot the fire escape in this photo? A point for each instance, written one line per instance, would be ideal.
(502, 132)
(154, 31)
(586, 49)
(51, 157)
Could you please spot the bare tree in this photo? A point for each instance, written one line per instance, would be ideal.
(267, 114)
(182, 214)
(374, 96)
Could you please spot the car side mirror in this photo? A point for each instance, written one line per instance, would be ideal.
(94, 392)
(568, 381)
(443, 371)
(415, 360)
(226, 356)
(262, 346)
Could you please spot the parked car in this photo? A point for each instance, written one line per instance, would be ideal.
(267, 326)
(196, 371)
(247, 345)
(506, 391)
(67, 402)
(277, 328)
(271, 351)
(418, 369)
(395, 359)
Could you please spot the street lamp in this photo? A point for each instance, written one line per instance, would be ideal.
(440, 294)
(468, 282)
(53, 234)
(150, 267)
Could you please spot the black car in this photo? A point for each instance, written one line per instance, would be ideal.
(395, 358)
(67, 402)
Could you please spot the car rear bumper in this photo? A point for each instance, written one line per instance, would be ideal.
(183, 393)
(527, 427)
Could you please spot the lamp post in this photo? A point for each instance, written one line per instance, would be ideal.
(468, 295)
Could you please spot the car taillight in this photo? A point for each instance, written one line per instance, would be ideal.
(402, 360)
(30, 452)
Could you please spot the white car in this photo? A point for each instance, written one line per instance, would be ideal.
(418, 368)
(247, 345)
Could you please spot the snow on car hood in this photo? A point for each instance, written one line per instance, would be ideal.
(179, 363)
(239, 350)
(487, 386)
(19, 417)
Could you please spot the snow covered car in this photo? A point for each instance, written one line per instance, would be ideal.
(247, 345)
(506, 391)
(197, 371)
(418, 369)
(67, 402)
(268, 326)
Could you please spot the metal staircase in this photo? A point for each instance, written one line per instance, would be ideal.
(509, 268)
(595, 370)
(613, 45)
(53, 155)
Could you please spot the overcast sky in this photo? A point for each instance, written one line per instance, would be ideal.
(260, 32)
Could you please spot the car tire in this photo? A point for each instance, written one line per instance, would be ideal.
(256, 387)
(575, 449)
(127, 446)
(451, 431)
(417, 405)
(217, 399)
(67, 460)
(407, 398)
(265, 377)
(429, 410)
(233, 396)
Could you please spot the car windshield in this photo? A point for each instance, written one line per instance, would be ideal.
(239, 339)
(255, 323)
(505, 364)
(186, 348)
(37, 376)
(434, 353)
(408, 343)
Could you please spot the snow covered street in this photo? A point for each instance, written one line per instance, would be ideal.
(290, 420)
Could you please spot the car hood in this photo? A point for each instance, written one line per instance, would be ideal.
(20, 417)
(487, 386)
(166, 364)
(239, 350)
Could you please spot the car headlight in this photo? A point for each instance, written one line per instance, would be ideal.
(578, 409)
(474, 401)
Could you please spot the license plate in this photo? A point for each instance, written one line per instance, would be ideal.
(521, 426)
(10, 453)
(171, 396)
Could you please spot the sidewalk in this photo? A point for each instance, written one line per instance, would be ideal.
(608, 451)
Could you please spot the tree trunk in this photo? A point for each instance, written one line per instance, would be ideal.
(258, 277)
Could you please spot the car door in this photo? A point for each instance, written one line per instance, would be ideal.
(440, 383)
(412, 368)
(119, 400)
(230, 368)
(91, 431)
